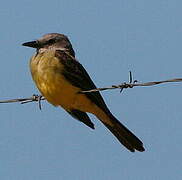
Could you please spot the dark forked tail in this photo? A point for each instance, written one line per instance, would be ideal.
(126, 137)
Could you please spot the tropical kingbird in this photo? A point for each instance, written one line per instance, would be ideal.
(61, 79)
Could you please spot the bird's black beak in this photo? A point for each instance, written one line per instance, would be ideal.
(33, 44)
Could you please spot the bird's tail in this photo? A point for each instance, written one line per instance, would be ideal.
(126, 137)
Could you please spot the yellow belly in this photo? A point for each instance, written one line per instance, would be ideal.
(46, 72)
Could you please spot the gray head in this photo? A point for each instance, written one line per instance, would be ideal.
(52, 41)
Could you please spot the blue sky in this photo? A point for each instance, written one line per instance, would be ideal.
(110, 39)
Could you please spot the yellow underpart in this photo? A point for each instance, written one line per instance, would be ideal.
(46, 71)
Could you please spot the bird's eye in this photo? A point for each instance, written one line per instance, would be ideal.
(51, 41)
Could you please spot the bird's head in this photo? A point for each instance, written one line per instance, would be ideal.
(52, 41)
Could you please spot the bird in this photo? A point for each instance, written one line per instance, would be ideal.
(61, 78)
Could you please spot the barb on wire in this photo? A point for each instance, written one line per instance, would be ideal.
(33, 98)
(132, 83)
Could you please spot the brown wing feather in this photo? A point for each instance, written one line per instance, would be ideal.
(82, 117)
(75, 73)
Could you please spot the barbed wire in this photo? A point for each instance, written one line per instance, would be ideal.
(131, 84)
(33, 98)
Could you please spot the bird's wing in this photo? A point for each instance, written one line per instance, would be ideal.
(81, 116)
(75, 73)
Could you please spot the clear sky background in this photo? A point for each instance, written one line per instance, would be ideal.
(110, 39)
